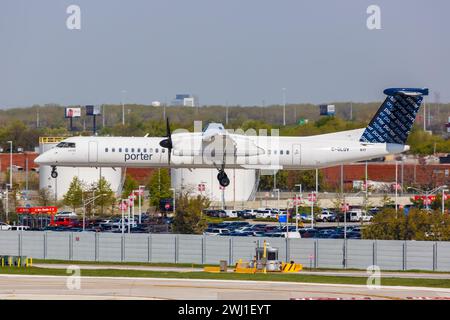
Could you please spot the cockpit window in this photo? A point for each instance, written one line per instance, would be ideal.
(66, 145)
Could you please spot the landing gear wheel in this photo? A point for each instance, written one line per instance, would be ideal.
(223, 179)
(54, 173)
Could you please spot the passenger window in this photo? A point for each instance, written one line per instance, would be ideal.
(274, 151)
(268, 152)
(151, 150)
(281, 152)
(139, 150)
(287, 151)
(120, 149)
(145, 150)
(163, 150)
(113, 150)
(106, 149)
(156, 150)
(126, 149)
(132, 150)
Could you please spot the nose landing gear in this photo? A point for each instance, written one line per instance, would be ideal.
(54, 173)
(224, 181)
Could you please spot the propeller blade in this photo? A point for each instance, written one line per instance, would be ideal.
(167, 143)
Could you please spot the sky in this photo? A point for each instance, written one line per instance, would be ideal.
(235, 51)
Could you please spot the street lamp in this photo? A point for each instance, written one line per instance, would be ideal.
(123, 106)
(284, 106)
(296, 205)
(85, 203)
(443, 199)
(140, 191)
(174, 195)
(10, 163)
(430, 192)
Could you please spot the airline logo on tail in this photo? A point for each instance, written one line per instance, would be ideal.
(395, 118)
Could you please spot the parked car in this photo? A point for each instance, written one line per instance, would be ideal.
(216, 231)
(359, 215)
(4, 226)
(231, 213)
(326, 216)
(249, 214)
(263, 213)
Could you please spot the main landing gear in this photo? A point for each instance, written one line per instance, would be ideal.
(224, 181)
(54, 173)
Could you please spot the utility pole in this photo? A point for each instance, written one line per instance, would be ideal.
(284, 106)
(123, 106)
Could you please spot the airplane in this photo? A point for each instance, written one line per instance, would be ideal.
(218, 148)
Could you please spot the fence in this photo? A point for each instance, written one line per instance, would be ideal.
(197, 249)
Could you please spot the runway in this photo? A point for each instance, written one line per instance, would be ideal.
(55, 288)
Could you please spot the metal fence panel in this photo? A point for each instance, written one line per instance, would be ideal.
(136, 247)
(9, 243)
(419, 255)
(58, 245)
(190, 249)
(216, 248)
(32, 244)
(302, 251)
(163, 248)
(244, 248)
(390, 254)
(359, 253)
(83, 246)
(443, 256)
(330, 253)
(109, 247)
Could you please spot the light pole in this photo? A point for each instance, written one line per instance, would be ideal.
(140, 191)
(10, 164)
(296, 205)
(174, 194)
(284, 106)
(443, 199)
(123, 106)
(85, 203)
(430, 192)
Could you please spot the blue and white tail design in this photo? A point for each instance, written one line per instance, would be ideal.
(395, 118)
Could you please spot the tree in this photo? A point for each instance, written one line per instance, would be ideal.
(129, 186)
(417, 225)
(189, 217)
(105, 194)
(74, 194)
(159, 186)
(44, 197)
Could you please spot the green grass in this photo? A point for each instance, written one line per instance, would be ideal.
(435, 283)
(142, 264)
(194, 265)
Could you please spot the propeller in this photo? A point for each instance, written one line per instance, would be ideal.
(167, 143)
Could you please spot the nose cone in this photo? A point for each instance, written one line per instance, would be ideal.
(43, 159)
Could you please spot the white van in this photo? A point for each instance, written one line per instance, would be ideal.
(359, 215)
(231, 213)
(263, 213)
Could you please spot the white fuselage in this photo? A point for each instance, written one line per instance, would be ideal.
(190, 150)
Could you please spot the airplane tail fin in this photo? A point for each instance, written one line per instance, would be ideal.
(393, 121)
